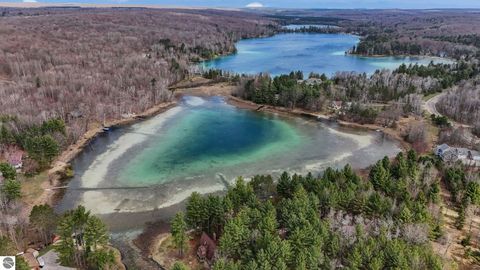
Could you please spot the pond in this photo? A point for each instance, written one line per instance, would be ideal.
(203, 145)
(320, 53)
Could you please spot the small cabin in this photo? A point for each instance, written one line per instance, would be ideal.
(207, 248)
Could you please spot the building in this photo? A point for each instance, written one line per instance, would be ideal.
(454, 154)
(340, 106)
(14, 156)
(336, 105)
(313, 81)
(310, 81)
(206, 250)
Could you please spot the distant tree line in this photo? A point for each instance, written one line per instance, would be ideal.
(320, 29)
(384, 45)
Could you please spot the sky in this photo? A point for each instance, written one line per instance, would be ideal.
(370, 4)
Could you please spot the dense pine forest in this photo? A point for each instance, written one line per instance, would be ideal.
(384, 220)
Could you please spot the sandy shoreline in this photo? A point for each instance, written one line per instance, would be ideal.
(62, 162)
(207, 89)
(219, 89)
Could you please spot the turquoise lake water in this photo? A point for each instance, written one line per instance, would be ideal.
(203, 145)
(211, 136)
(320, 53)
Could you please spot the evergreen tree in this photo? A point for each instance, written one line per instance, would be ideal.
(6, 136)
(101, 259)
(195, 211)
(224, 264)
(402, 168)
(241, 194)
(95, 235)
(12, 189)
(42, 149)
(178, 230)
(179, 266)
(7, 171)
(284, 186)
(84, 240)
(235, 240)
(66, 246)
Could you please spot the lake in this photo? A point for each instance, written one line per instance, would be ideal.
(203, 145)
(320, 53)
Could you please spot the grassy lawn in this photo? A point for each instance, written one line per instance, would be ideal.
(32, 186)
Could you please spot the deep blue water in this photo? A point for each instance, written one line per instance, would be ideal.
(320, 53)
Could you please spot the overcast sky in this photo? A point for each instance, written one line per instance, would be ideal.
(292, 3)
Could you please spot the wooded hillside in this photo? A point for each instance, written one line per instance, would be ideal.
(85, 65)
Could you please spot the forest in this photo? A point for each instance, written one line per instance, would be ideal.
(462, 103)
(402, 87)
(384, 220)
(66, 70)
(447, 32)
(85, 66)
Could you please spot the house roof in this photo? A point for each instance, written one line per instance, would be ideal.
(313, 81)
(443, 147)
(461, 153)
(14, 155)
(207, 246)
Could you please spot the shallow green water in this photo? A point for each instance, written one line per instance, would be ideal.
(209, 138)
(203, 145)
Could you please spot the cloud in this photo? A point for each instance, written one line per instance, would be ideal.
(30, 1)
(255, 5)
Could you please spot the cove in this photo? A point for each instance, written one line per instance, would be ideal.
(202, 145)
(320, 53)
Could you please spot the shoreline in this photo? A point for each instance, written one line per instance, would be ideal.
(245, 104)
(50, 195)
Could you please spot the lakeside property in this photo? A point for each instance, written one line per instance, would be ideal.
(110, 178)
(97, 108)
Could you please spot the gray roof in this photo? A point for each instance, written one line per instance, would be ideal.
(443, 147)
